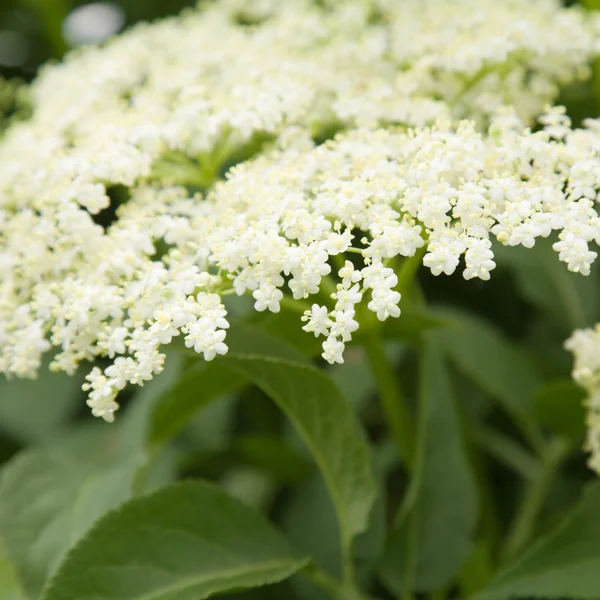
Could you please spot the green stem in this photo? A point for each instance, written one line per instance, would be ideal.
(296, 306)
(178, 169)
(394, 404)
(477, 571)
(489, 527)
(595, 5)
(439, 594)
(505, 450)
(209, 163)
(408, 269)
(536, 490)
(339, 261)
(348, 576)
(324, 580)
(398, 415)
(501, 69)
(530, 432)
(331, 586)
(327, 288)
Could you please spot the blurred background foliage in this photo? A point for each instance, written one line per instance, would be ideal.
(35, 31)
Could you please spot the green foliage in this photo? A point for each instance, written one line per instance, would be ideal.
(570, 300)
(25, 413)
(9, 580)
(415, 322)
(185, 542)
(494, 364)
(198, 387)
(326, 424)
(205, 383)
(558, 405)
(74, 515)
(50, 496)
(436, 523)
(286, 325)
(310, 523)
(562, 565)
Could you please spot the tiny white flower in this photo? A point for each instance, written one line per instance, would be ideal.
(317, 319)
(333, 350)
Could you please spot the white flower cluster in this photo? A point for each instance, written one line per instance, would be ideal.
(487, 57)
(585, 346)
(128, 125)
(286, 217)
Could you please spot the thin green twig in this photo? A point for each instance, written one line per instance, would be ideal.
(408, 269)
(536, 491)
(399, 418)
(507, 451)
(336, 589)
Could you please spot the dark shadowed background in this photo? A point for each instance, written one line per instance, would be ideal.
(34, 31)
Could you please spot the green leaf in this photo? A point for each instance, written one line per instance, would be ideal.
(413, 323)
(495, 364)
(437, 522)
(49, 497)
(187, 541)
(212, 429)
(558, 405)
(205, 382)
(9, 580)
(287, 325)
(273, 456)
(33, 410)
(354, 377)
(477, 571)
(309, 522)
(326, 423)
(196, 389)
(570, 299)
(250, 339)
(251, 486)
(562, 565)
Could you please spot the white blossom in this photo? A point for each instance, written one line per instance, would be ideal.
(317, 320)
(333, 350)
(146, 124)
(585, 346)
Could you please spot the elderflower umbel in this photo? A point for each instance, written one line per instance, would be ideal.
(585, 346)
(149, 123)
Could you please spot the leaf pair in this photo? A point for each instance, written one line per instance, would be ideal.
(190, 540)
